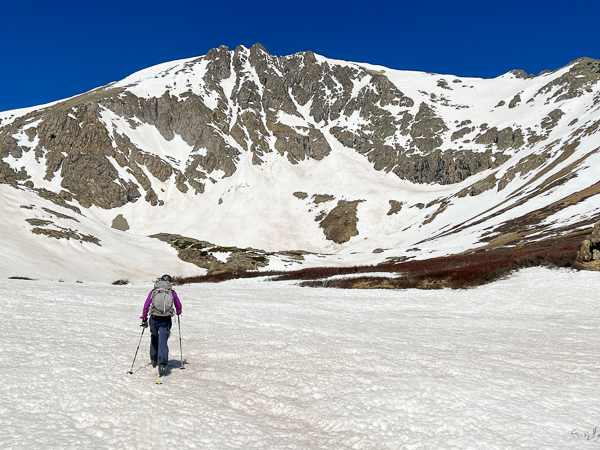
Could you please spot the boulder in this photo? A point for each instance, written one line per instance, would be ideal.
(585, 252)
(120, 223)
(595, 238)
(300, 195)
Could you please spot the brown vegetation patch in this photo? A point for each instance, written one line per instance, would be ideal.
(223, 276)
(461, 271)
(456, 272)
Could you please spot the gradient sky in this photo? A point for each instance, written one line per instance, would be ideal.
(54, 50)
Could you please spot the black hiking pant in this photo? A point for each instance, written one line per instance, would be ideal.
(160, 328)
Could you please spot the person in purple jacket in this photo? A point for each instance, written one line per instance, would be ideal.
(162, 303)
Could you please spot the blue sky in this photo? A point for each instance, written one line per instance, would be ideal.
(53, 50)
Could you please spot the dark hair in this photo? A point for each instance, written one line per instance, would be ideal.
(166, 278)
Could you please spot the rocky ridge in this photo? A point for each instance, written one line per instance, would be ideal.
(248, 100)
(189, 126)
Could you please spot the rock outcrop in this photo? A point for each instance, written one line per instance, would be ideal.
(246, 100)
(214, 258)
(120, 223)
(340, 224)
(590, 248)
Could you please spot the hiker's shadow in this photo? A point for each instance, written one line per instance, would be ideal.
(173, 365)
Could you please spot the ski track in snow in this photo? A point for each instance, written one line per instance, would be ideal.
(274, 366)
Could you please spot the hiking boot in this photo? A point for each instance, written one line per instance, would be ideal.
(162, 370)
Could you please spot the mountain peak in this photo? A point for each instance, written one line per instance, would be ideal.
(216, 148)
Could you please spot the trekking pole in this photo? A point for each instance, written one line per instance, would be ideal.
(180, 350)
(136, 352)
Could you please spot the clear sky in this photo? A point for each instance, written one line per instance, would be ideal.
(53, 50)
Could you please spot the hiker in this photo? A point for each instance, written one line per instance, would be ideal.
(162, 303)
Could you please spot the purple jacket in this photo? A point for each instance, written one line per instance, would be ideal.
(149, 301)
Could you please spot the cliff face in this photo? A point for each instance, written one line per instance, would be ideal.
(247, 100)
(191, 125)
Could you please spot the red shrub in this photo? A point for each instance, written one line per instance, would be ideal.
(457, 271)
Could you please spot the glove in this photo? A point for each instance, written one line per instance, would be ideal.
(144, 323)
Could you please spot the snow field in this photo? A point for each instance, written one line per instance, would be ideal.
(272, 366)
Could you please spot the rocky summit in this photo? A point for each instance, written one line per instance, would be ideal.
(240, 159)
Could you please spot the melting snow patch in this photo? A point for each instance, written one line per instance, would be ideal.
(221, 256)
(366, 274)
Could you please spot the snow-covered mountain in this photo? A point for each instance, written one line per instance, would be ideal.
(300, 160)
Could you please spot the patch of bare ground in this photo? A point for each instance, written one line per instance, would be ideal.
(443, 206)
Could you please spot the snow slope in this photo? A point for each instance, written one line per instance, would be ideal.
(117, 256)
(270, 365)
